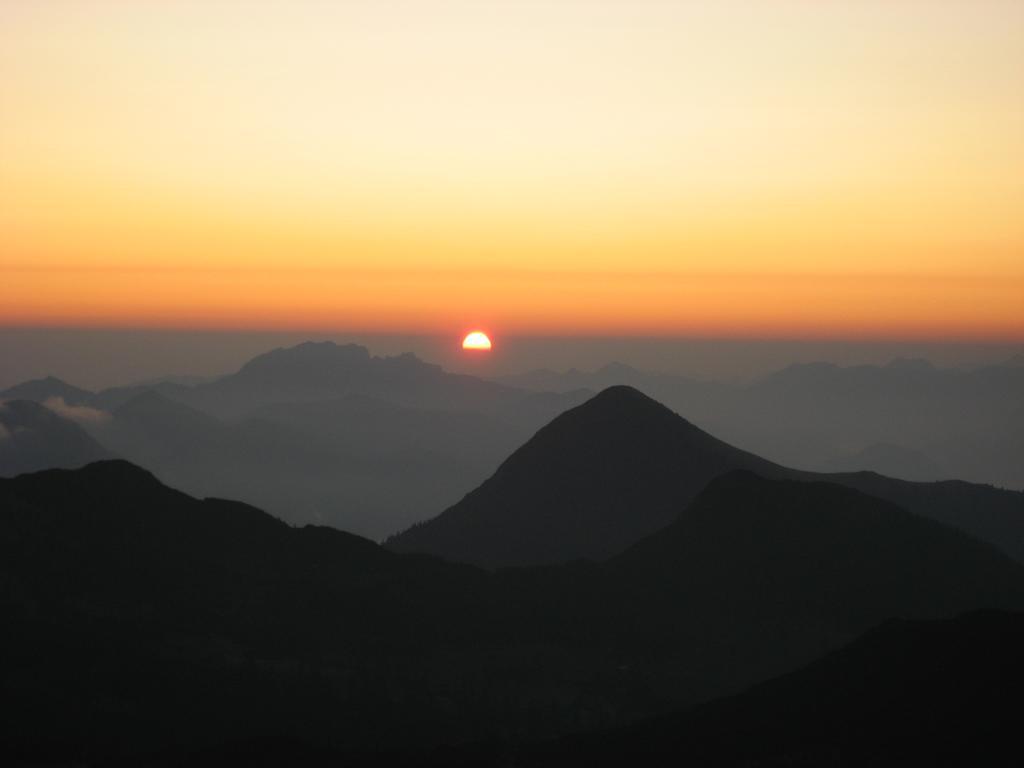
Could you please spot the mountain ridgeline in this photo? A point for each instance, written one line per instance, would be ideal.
(317, 433)
(907, 419)
(621, 466)
(330, 434)
(587, 485)
(145, 626)
(937, 693)
(33, 437)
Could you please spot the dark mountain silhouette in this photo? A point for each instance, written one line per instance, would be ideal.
(40, 390)
(791, 563)
(809, 413)
(32, 437)
(143, 625)
(590, 483)
(941, 692)
(603, 475)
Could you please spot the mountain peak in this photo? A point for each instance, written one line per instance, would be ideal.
(594, 480)
(45, 388)
(623, 407)
(623, 396)
(308, 352)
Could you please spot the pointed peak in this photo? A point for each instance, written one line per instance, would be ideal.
(623, 396)
(623, 405)
(48, 386)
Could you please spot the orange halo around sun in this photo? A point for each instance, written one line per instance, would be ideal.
(476, 340)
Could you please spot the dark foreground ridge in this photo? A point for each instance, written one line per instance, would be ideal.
(143, 625)
(907, 693)
(603, 475)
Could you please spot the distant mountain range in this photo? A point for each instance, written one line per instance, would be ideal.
(330, 434)
(965, 424)
(316, 433)
(145, 626)
(609, 472)
(33, 437)
(888, 459)
(324, 371)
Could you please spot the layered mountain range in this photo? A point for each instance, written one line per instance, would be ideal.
(146, 625)
(623, 586)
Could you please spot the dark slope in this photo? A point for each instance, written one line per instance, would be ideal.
(32, 437)
(621, 466)
(993, 515)
(907, 693)
(591, 482)
(138, 619)
(774, 572)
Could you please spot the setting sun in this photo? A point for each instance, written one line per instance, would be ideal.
(476, 340)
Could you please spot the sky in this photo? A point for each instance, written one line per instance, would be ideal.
(813, 169)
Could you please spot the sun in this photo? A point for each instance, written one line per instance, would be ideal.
(477, 340)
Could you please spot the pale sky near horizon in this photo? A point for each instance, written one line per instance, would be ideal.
(790, 169)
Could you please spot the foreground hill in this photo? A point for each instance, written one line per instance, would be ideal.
(144, 625)
(32, 437)
(607, 473)
(908, 693)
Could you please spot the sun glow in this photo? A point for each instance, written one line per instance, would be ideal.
(477, 340)
(730, 169)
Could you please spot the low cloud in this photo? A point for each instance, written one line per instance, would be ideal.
(82, 414)
(4, 434)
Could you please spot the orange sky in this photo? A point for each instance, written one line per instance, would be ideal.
(796, 169)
